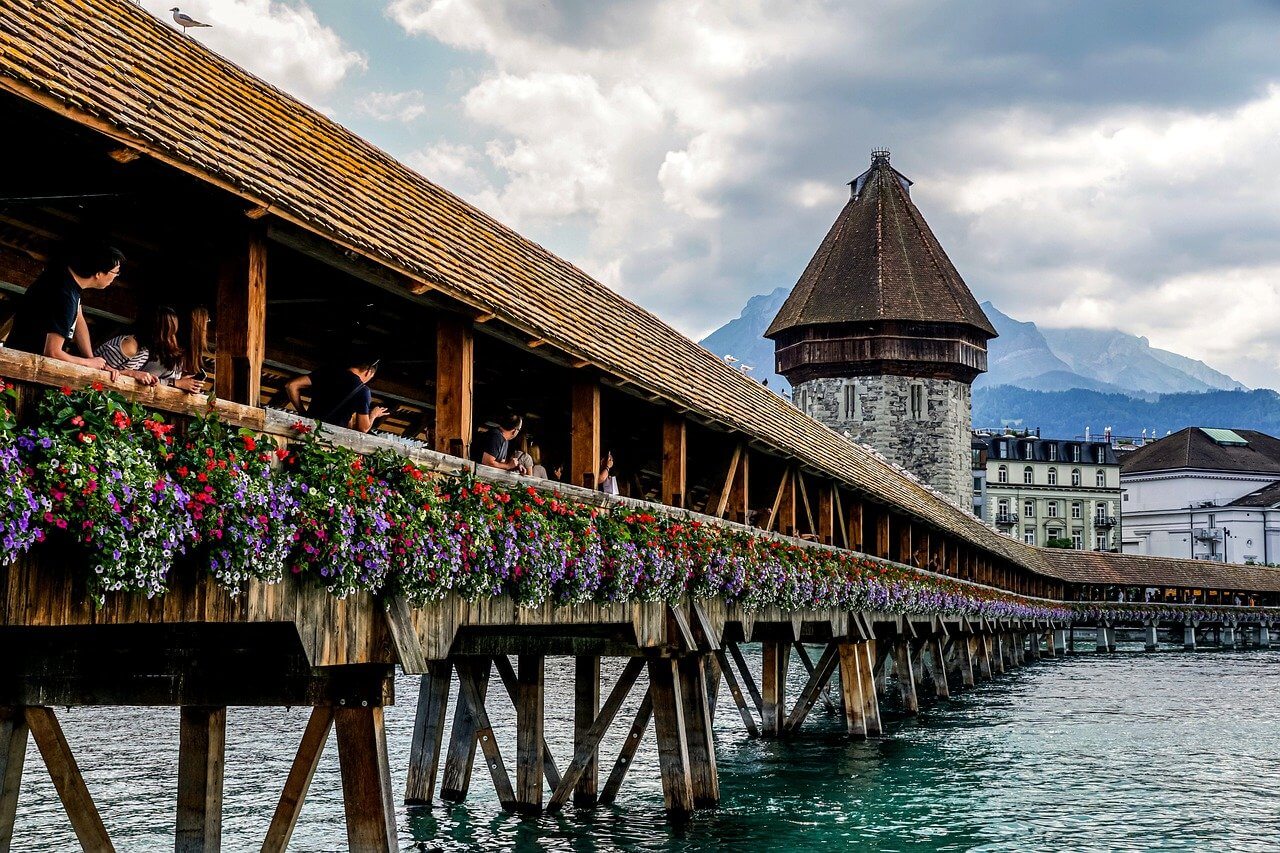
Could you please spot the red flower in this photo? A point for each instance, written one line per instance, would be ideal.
(282, 452)
(249, 443)
(77, 421)
(97, 386)
(301, 428)
(183, 471)
(66, 389)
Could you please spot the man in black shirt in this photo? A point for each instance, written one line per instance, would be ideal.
(339, 396)
(49, 315)
(495, 445)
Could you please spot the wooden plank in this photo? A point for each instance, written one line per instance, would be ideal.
(726, 492)
(609, 793)
(920, 552)
(804, 497)
(586, 708)
(906, 675)
(784, 513)
(242, 319)
(710, 640)
(669, 725)
(51, 742)
(13, 752)
(735, 690)
(586, 747)
(508, 674)
(871, 702)
(814, 687)
(857, 510)
(299, 779)
(366, 779)
(845, 540)
(404, 637)
(809, 667)
(202, 737)
(674, 461)
(747, 679)
(456, 779)
(739, 504)
(584, 426)
(939, 668)
(882, 534)
(428, 732)
(455, 385)
(826, 513)
(470, 679)
(683, 629)
(773, 687)
(699, 738)
(529, 732)
(851, 689)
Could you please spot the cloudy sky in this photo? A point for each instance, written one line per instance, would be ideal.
(1084, 164)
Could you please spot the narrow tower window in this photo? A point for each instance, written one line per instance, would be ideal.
(917, 402)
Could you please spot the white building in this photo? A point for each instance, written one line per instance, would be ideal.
(1211, 494)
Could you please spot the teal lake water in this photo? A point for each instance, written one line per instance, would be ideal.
(1168, 751)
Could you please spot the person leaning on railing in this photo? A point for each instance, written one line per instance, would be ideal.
(495, 445)
(151, 353)
(339, 396)
(50, 316)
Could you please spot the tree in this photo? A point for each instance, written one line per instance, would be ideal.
(1059, 542)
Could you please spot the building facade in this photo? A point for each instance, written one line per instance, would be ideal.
(1042, 490)
(1204, 493)
(881, 339)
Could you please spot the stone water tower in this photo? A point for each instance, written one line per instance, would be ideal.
(881, 338)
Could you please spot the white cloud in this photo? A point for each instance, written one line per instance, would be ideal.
(393, 106)
(283, 42)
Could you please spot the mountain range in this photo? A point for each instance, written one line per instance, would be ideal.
(1060, 380)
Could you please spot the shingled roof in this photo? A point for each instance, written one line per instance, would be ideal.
(1196, 449)
(1096, 567)
(110, 65)
(880, 261)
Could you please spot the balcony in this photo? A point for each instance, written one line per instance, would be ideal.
(1104, 522)
(1006, 519)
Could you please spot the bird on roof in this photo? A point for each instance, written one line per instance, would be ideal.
(730, 359)
(184, 20)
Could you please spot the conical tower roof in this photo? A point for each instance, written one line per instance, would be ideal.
(880, 262)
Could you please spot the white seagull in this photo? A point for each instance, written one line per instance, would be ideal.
(730, 359)
(184, 20)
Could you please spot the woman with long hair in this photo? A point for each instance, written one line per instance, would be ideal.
(153, 340)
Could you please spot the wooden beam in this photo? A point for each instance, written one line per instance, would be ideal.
(13, 752)
(455, 385)
(241, 322)
(508, 673)
(366, 779)
(67, 780)
(627, 755)
(669, 725)
(460, 757)
(739, 503)
(745, 672)
(674, 461)
(920, 553)
(471, 677)
(871, 703)
(845, 541)
(939, 669)
(529, 732)
(826, 513)
(587, 745)
(851, 689)
(783, 516)
(856, 524)
(906, 674)
(882, 534)
(735, 690)
(584, 427)
(811, 668)
(299, 779)
(699, 740)
(814, 688)
(202, 738)
(428, 732)
(586, 709)
(804, 498)
(905, 549)
(773, 686)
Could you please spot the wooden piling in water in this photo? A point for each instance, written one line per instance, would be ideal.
(202, 735)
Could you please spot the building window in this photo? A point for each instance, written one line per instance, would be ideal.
(1075, 476)
(977, 485)
(1077, 540)
(1053, 476)
(1029, 535)
(1053, 509)
(917, 402)
(1053, 452)
(1100, 542)
(1002, 506)
(1077, 509)
(1002, 447)
(1029, 507)
(1002, 474)
(976, 453)
(1028, 475)
(850, 410)
(1102, 454)
(1028, 451)
(1075, 453)
(1101, 479)
(1100, 512)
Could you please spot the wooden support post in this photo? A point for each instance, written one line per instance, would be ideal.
(586, 705)
(735, 502)
(587, 746)
(202, 737)
(669, 725)
(699, 738)
(366, 779)
(1152, 643)
(985, 667)
(674, 461)
(940, 686)
(809, 667)
(61, 764)
(964, 656)
(13, 752)
(815, 687)
(529, 728)
(773, 687)
(826, 513)
(508, 674)
(953, 559)
(460, 757)
(609, 793)
(455, 385)
(870, 701)
(471, 679)
(584, 451)
(906, 674)
(298, 782)
(735, 690)
(851, 689)
(242, 318)
(920, 555)
(855, 525)
(882, 534)
(905, 551)
(1033, 645)
(745, 672)
(997, 656)
(783, 517)
(428, 731)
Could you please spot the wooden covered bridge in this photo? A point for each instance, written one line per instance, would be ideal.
(304, 238)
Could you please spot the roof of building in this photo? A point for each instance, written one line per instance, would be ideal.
(880, 261)
(1036, 449)
(1097, 567)
(112, 66)
(1199, 449)
(1267, 496)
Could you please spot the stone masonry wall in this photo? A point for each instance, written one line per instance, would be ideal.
(933, 443)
